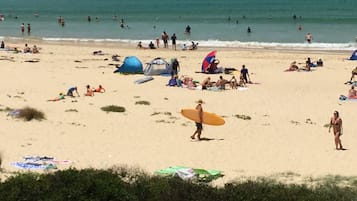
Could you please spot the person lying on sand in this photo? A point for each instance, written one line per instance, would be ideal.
(100, 89)
(60, 97)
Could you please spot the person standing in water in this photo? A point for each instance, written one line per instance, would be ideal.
(199, 126)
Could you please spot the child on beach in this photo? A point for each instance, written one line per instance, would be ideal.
(90, 91)
(60, 97)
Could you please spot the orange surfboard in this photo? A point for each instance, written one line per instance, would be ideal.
(208, 118)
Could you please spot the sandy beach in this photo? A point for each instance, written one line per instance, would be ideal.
(286, 132)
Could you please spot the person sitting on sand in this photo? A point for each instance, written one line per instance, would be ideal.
(71, 90)
(206, 83)
(27, 49)
(100, 89)
(90, 91)
(293, 66)
(221, 83)
(2, 46)
(35, 50)
(193, 46)
(60, 97)
(319, 63)
(151, 45)
(352, 93)
(213, 67)
(242, 82)
(140, 45)
(233, 83)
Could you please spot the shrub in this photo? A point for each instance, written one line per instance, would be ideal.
(29, 113)
(113, 108)
(142, 103)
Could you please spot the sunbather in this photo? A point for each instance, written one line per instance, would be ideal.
(100, 89)
(60, 97)
(233, 82)
(206, 83)
(352, 93)
(89, 91)
(221, 83)
(293, 66)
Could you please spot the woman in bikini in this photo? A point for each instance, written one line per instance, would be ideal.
(336, 124)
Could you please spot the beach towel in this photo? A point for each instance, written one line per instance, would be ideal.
(33, 166)
(200, 175)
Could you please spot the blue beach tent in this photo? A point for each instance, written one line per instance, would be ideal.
(131, 65)
(354, 55)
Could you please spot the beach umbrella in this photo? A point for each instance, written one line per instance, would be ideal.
(208, 60)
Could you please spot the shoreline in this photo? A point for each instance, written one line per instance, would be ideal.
(131, 44)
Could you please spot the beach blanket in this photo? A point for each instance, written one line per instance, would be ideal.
(34, 166)
(187, 173)
(39, 162)
(345, 98)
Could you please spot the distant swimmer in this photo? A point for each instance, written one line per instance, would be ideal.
(188, 29)
(249, 30)
(89, 19)
(308, 37)
(300, 27)
(23, 27)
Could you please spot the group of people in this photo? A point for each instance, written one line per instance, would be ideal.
(207, 83)
(22, 27)
(73, 92)
(33, 50)
(307, 67)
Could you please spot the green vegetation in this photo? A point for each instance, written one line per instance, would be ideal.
(142, 103)
(134, 185)
(242, 116)
(29, 113)
(113, 108)
(71, 110)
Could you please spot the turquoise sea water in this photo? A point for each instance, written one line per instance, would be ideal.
(333, 23)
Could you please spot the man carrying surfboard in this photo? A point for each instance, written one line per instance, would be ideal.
(199, 126)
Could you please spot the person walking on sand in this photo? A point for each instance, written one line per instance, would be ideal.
(199, 126)
(336, 124)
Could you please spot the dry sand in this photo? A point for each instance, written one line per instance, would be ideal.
(286, 132)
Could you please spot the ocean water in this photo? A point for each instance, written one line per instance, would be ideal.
(333, 23)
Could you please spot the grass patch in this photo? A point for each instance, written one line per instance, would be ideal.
(7, 109)
(71, 110)
(142, 103)
(242, 116)
(29, 114)
(113, 108)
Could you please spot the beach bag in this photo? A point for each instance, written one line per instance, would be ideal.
(343, 97)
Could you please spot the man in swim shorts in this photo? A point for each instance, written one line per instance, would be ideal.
(199, 126)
